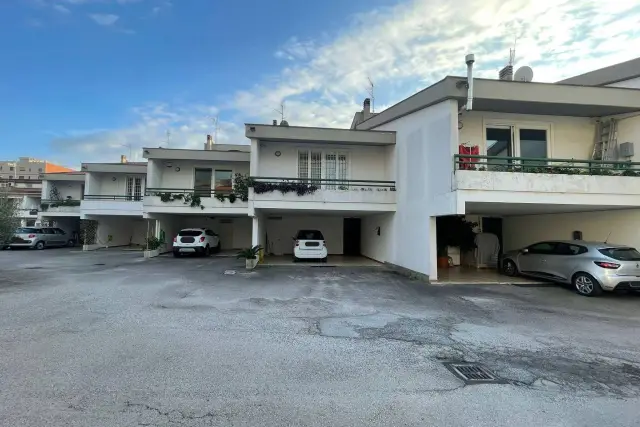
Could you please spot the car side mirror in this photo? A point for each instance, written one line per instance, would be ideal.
(524, 251)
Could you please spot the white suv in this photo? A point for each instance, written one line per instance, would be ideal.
(309, 244)
(200, 241)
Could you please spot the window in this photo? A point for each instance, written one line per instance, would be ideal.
(134, 188)
(542, 248)
(11, 169)
(621, 254)
(533, 143)
(316, 165)
(202, 182)
(210, 233)
(25, 230)
(21, 177)
(309, 235)
(23, 169)
(223, 181)
(29, 185)
(569, 249)
(190, 233)
(39, 169)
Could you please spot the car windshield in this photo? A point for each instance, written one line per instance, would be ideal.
(309, 235)
(190, 233)
(27, 230)
(621, 254)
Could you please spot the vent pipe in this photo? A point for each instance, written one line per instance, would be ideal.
(470, 59)
(123, 159)
(209, 145)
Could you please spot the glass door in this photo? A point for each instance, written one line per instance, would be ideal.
(533, 143)
(499, 139)
(202, 182)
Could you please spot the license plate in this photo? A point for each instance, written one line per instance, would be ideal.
(187, 250)
(312, 244)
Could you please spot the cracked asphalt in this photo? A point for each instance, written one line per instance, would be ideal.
(111, 339)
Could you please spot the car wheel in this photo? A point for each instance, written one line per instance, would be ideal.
(39, 246)
(585, 284)
(176, 254)
(509, 268)
(296, 259)
(324, 260)
(207, 251)
(71, 243)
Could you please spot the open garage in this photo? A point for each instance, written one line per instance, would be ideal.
(354, 238)
(234, 231)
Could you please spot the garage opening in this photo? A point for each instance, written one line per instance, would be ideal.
(469, 249)
(343, 238)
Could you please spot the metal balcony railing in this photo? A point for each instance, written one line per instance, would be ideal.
(542, 165)
(265, 184)
(116, 197)
(184, 191)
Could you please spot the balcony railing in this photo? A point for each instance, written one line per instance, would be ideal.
(66, 205)
(181, 198)
(548, 166)
(166, 192)
(324, 190)
(118, 197)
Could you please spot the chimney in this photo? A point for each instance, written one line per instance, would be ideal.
(209, 145)
(123, 159)
(366, 109)
(275, 123)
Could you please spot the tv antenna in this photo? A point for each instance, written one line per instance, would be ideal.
(168, 138)
(512, 52)
(216, 127)
(280, 111)
(370, 91)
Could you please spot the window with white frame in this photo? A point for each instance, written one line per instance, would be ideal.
(314, 165)
(134, 188)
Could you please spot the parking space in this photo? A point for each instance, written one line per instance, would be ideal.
(103, 338)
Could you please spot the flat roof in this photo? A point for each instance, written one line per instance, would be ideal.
(304, 134)
(133, 167)
(221, 152)
(64, 176)
(517, 97)
(607, 75)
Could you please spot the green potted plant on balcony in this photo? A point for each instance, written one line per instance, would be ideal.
(251, 256)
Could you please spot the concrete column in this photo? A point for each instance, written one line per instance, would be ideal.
(254, 157)
(433, 249)
(255, 230)
(89, 183)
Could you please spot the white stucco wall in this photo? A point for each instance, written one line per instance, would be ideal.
(631, 83)
(280, 232)
(520, 231)
(425, 142)
(570, 137)
(184, 178)
(105, 185)
(123, 231)
(629, 131)
(365, 162)
(372, 245)
(66, 189)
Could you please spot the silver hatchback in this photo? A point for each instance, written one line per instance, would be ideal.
(589, 267)
(40, 237)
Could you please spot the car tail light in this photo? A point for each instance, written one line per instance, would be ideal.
(324, 244)
(610, 265)
(202, 239)
(297, 242)
(175, 239)
(32, 236)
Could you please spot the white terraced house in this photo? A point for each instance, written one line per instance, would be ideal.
(337, 181)
(523, 161)
(61, 196)
(196, 188)
(113, 194)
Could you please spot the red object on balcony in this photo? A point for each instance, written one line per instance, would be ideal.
(466, 162)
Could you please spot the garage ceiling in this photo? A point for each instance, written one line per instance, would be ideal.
(506, 209)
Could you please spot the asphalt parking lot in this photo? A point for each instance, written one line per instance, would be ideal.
(110, 339)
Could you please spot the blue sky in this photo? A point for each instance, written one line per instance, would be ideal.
(82, 78)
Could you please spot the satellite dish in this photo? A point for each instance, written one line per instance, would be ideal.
(524, 74)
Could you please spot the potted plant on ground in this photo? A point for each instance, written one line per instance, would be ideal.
(153, 247)
(251, 256)
(454, 231)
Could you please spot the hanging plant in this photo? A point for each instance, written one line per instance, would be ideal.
(220, 196)
(232, 198)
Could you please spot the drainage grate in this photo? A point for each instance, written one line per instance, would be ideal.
(473, 373)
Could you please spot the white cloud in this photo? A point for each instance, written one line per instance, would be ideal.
(406, 48)
(60, 8)
(104, 19)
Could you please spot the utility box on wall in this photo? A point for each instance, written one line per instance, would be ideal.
(626, 149)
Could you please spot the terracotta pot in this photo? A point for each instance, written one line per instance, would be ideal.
(443, 262)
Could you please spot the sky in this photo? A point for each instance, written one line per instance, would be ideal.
(89, 80)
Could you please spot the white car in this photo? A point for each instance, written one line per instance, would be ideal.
(199, 241)
(309, 244)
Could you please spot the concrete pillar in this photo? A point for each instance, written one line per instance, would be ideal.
(254, 157)
(255, 230)
(433, 249)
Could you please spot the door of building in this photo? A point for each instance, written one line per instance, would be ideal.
(351, 236)
(494, 226)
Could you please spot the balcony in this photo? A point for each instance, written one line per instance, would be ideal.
(323, 194)
(111, 204)
(190, 201)
(66, 207)
(553, 181)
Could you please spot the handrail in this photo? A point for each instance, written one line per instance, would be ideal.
(545, 165)
(153, 191)
(325, 182)
(112, 197)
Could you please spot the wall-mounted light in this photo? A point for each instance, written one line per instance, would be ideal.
(252, 128)
(169, 164)
(113, 178)
(146, 151)
(177, 169)
(277, 153)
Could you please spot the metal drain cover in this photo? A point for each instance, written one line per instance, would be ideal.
(473, 373)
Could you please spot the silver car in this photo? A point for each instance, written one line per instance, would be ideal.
(39, 238)
(589, 267)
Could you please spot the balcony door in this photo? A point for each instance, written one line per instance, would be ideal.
(314, 165)
(202, 182)
(134, 188)
(530, 141)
